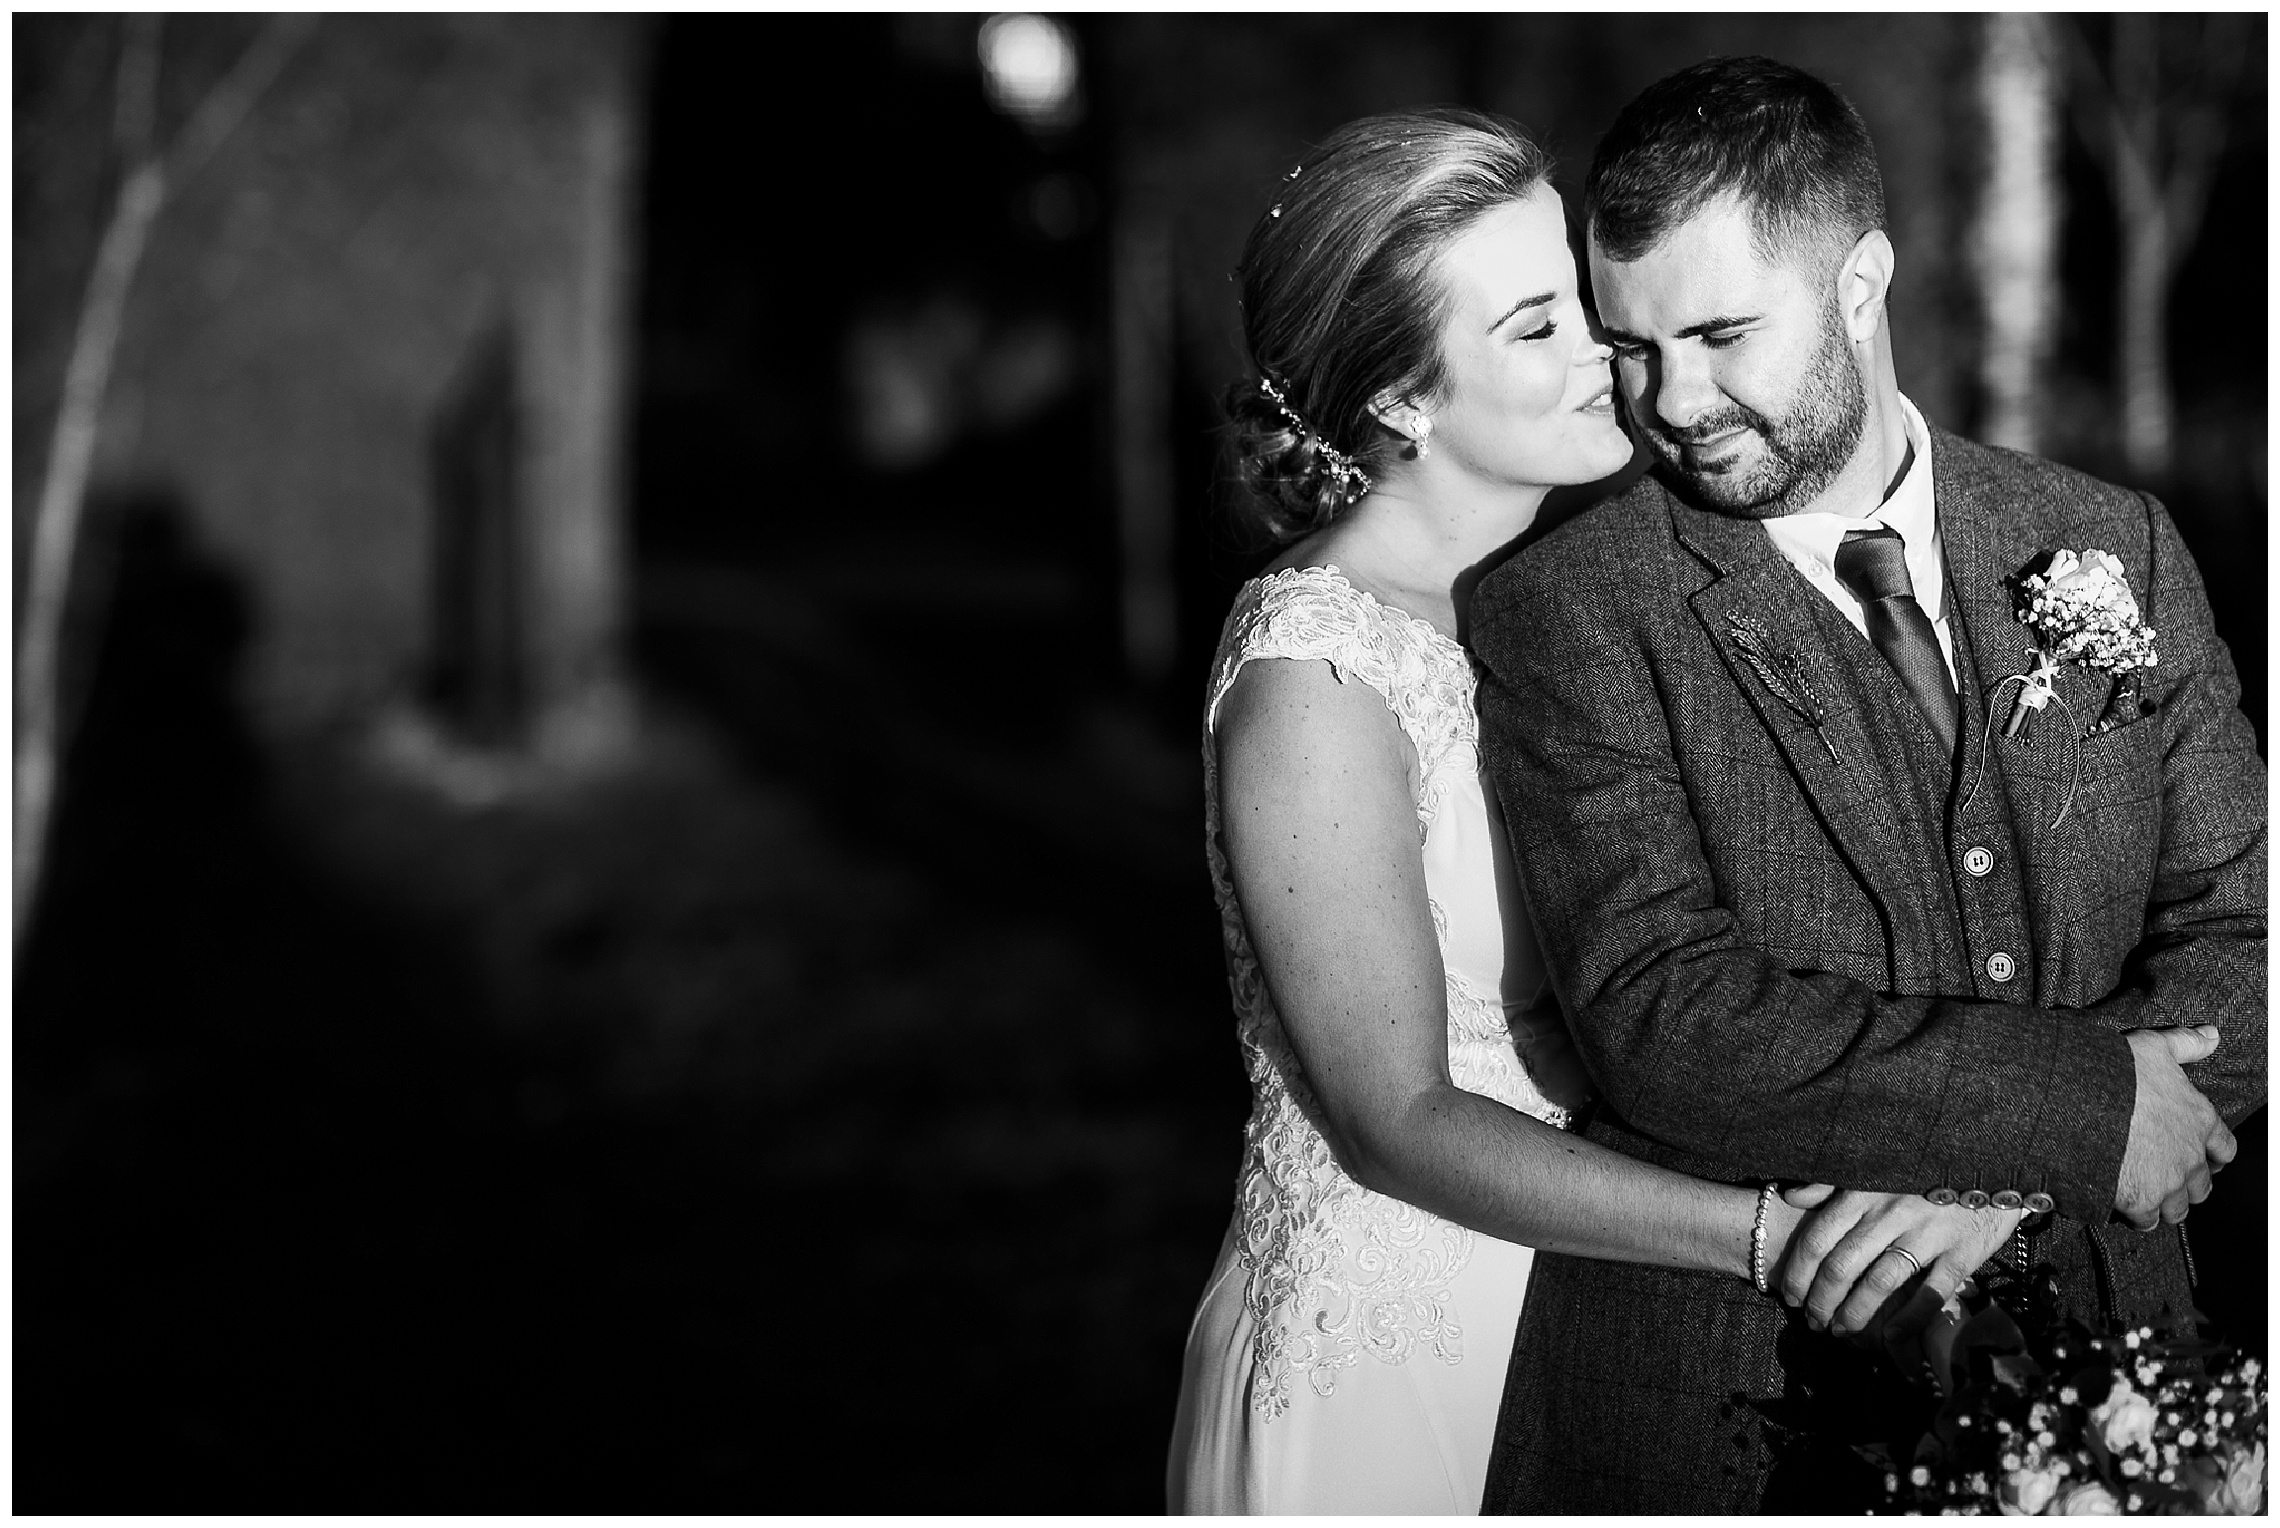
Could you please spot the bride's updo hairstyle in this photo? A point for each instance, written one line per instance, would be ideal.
(1342, 302)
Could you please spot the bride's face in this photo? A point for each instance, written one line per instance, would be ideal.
(1529, 398)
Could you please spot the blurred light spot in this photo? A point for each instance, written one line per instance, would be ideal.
(1061, 206)
(920, 379)
(905, 372)
(1022, 371)
(1029, 64)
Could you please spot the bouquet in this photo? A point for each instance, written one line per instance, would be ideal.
(2041, 1415)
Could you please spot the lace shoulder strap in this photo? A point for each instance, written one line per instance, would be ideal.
(1423, 676)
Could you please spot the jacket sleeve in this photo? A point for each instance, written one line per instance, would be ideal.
(1701, 1041)
(2202, 957)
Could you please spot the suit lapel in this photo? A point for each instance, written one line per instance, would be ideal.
(1984, 553)
(2023, 782)
(1757, 599)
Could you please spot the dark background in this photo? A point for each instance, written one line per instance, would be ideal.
(835, 1106)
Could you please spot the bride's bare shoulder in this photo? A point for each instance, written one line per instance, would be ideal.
(1288, 716)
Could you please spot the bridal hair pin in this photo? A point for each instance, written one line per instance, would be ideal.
(1352, 481)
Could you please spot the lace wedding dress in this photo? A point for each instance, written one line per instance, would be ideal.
(1349, 1352)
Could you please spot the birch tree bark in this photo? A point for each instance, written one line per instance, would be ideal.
(143, 189)
(2015, 243)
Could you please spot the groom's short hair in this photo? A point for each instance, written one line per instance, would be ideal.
(1793, 150)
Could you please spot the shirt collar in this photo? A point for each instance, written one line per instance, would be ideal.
(1812, 537)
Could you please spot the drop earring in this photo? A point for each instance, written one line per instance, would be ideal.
(1423, 438)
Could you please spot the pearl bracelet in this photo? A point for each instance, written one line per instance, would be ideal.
(1757, 1239)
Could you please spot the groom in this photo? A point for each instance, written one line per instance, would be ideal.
(1814, 913)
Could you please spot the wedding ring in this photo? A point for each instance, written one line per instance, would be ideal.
(1910, 1256)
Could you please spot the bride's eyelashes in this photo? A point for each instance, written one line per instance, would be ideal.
(1550, 328)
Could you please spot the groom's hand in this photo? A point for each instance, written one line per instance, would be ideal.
(1861, 1260)
(2176, 1142)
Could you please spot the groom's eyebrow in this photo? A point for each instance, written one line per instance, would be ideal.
(1713, 325)
(1691, 331)
(1522, 306)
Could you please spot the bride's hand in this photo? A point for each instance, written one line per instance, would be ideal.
(1855, 1252)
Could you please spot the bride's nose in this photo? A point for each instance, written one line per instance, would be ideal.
(1594, 352)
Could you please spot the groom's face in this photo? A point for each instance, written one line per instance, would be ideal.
(1736, 367)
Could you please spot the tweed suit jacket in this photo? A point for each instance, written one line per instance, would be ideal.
(1782, 958)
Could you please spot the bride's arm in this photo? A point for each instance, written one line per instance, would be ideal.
(1319, 826)
(1318, 822)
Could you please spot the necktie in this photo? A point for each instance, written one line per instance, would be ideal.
(1873, 564)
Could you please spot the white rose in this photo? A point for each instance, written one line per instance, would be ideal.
(2087, 1500)
(2242, 1494)
(2026, 1492)
(2062, 564)
(2126, 1419)
(2096, 578)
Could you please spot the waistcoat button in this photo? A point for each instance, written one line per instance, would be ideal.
(2001, 967)
(1977, 861)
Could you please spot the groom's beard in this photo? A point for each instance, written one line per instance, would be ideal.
(1804, 449)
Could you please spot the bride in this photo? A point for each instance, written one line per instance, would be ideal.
(1425, 372)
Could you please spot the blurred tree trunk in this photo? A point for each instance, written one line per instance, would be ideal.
(148, 174)
(578, 336)
(2021, 205)
(2154, 119)
(1146, 503)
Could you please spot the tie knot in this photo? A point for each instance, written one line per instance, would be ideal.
(1873, 564)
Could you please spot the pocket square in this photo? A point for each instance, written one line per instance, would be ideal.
(2124, 706)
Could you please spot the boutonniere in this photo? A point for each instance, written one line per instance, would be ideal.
(1781, 674)
(2081, 612)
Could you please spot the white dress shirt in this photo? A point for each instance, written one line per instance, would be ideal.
(1810, 540)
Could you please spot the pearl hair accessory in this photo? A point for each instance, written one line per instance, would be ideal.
(1352, 481)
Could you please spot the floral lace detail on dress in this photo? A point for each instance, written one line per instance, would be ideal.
(1335, 1271)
